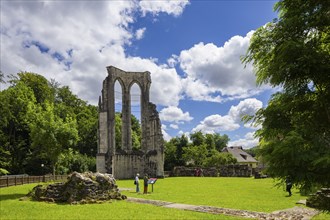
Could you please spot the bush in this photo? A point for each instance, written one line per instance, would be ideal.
(71, 161)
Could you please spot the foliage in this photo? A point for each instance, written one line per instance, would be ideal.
(195, 154)
(87, 123)
(135, 132)
(70, 161)
(3, 171)
(293, 52)
(15, 103)
(51, 135)
(254, 151)
(201, 151)
(64, 119)
(218, 159)
(169, 155)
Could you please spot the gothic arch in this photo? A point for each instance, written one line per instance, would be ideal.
(108, 159)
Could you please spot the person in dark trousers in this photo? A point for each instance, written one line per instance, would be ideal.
(288, 183)
(145, 179)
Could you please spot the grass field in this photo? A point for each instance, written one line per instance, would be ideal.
(237, 193)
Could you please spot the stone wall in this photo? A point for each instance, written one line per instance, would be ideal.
(236, 170)
(126, 162)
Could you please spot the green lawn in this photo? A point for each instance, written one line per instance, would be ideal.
(237, 193)
(12, 208)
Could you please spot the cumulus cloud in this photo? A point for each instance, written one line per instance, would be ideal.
(68, 41)
(216, 123)
(166, 6)
(247, 142)
(217, 72)
(245, 107)
(174, 126)
(140, 33)
(231, 121)
(174, 114)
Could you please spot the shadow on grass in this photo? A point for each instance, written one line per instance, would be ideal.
(11, 196)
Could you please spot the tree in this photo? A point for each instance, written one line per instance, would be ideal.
(50, 134)
(39, 85)
(195, 155)
(293, 52)
(15, 103)
(70, 161)
(170, 155)
(180, 143)
(136, 132)
(197, 138)
(221, 141)
(217, 159)
(87, 123)
(25, 103)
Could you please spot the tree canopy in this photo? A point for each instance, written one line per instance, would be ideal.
(202, 150)
(39, 121)
(293, 53)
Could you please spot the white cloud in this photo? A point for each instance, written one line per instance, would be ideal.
(217, 72)
(166, 136)
(73, 42)
(174, 126)
(248, 141)
(231, 121)
(166, 6)
(174, 114)
(245, 107)
(172, 61)
(216, 123)
(139, 34)
(187, 134)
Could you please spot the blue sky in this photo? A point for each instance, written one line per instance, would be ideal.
(192, 50)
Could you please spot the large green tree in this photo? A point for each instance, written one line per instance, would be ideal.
(15, 103)
(293, 52)
(51, 135)
(26, 102)
(203, 150)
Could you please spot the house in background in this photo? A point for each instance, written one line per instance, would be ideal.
(241, 156)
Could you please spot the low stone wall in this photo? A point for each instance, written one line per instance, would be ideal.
(235, 170)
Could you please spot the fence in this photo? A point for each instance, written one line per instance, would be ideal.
(20, 180)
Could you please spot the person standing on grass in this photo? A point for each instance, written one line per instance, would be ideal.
(288, 183)
(137, 182)
(145, 179)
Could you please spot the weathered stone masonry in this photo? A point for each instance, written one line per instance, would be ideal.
(125, 163)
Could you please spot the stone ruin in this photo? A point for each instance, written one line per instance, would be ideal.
(79, 189)
(124, 163)
(234, 170)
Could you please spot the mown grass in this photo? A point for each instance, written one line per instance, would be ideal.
(236, 193)
(12, 208)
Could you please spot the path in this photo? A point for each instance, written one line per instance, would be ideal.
(296, 213)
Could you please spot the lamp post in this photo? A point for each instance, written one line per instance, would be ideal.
(42, 172)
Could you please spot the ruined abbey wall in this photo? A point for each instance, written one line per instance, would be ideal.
(125, 163)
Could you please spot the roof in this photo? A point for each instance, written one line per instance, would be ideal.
(240, 154)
